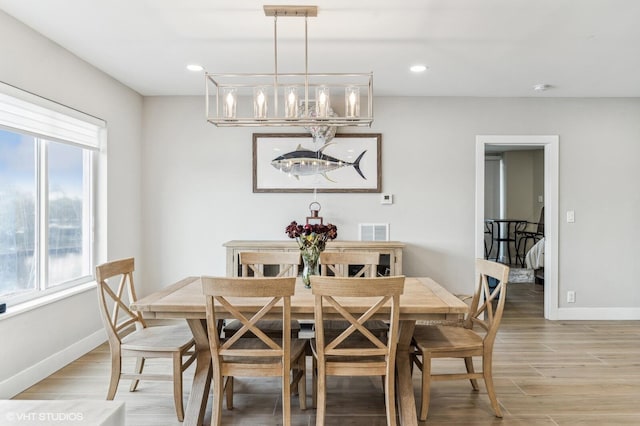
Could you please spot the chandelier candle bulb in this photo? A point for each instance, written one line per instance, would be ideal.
(323, 102)
(230, 102)
(260, 102)
(352, 102)
(291, 102)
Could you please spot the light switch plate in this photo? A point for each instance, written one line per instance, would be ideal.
(571, 216)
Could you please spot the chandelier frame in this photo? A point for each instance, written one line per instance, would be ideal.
(221, 108)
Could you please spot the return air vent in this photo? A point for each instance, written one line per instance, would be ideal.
(373, 231)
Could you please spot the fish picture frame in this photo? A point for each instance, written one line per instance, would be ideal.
(294, 162)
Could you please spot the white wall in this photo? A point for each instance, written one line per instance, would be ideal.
(198, 192)
(38, 339)
(519, 177)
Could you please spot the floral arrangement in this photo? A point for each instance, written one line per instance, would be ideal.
(312, 240)
(311, 236)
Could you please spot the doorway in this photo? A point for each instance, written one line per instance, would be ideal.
(550, 145)
(513, 203)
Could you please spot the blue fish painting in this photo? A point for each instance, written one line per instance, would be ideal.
(305, 162)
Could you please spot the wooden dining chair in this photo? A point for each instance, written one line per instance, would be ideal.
(262, 355)
(286, 262)
(129, 335)
(338, 264)
(453, 341)
(356, 351)
(253, 264)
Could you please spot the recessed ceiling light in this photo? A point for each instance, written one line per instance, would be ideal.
(542, 87)
(194, 67)
(418, 68)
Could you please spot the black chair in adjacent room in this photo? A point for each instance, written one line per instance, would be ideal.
(532, 232)
(488, 230)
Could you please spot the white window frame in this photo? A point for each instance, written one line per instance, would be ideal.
(25, 113)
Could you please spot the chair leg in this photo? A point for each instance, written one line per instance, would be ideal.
(228, 390)
(390, 397)
(426, 387)
(488, 381)
(517, 243)
(116, 370)
(286, 399)
(524, 252)
(314, 382)
(302, 383)
(321, 403)
(521, 250)
(138, 370)
(177, 385)
(490, 247)
(413, 357)
(217, 387)
(468, 362)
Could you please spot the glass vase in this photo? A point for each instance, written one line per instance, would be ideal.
(311, 265)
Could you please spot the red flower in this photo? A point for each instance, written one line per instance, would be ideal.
(293, 230)
(311, 235)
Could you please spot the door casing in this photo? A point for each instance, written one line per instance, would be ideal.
(551, 184)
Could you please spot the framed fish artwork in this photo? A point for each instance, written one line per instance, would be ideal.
(294, 162)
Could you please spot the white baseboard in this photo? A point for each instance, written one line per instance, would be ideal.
(599, 314)
(32, 375)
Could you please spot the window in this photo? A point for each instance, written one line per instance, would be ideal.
(47, 214)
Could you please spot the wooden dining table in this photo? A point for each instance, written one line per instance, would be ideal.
(423, 299)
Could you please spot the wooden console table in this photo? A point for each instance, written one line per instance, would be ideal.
(390, 252)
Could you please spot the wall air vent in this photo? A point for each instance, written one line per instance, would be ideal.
(373, 231)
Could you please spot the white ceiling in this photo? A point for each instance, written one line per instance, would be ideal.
(472, 47)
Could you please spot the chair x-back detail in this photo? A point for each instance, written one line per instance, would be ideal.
(261, 355)
(356, 351)
(450, 341)
(256, 261)
(143, 342)
(337, 263)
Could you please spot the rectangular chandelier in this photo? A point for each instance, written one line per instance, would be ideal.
(289, 99)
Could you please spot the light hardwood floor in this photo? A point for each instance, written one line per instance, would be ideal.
(546, 373)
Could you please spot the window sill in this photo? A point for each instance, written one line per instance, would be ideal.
(30, 305)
